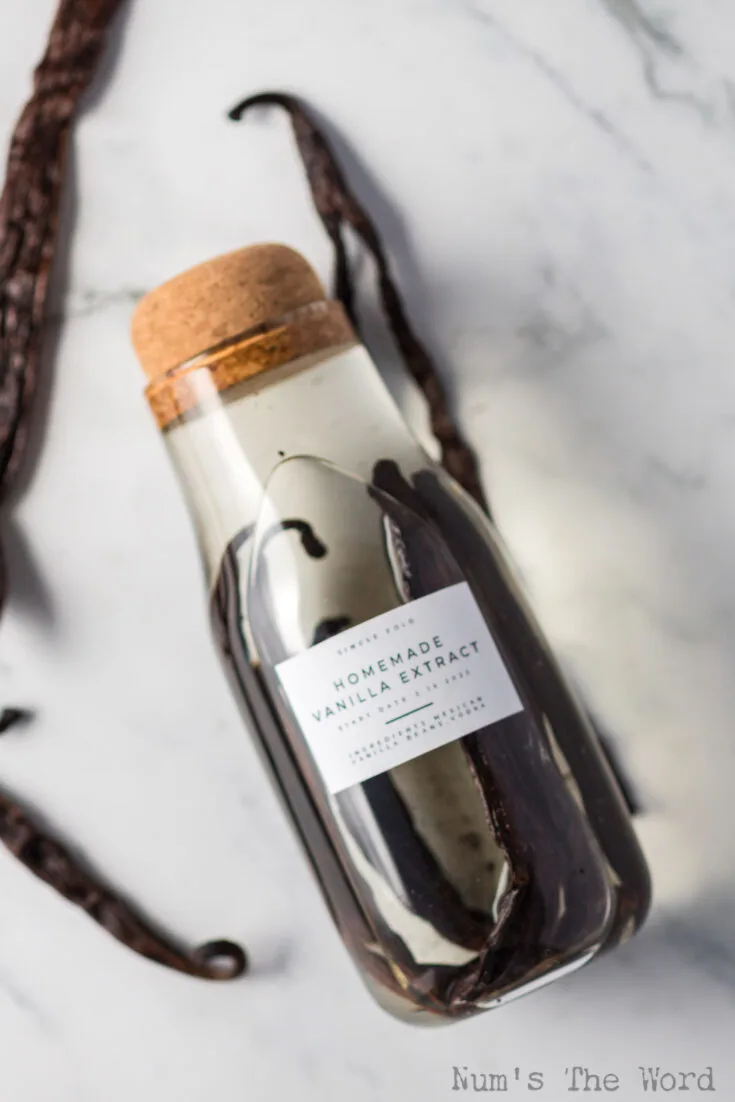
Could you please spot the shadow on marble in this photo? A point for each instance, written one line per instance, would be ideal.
(112, 55)
(28, 590)
(269, 960)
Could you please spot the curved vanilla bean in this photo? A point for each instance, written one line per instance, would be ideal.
(338, 206)
(53, 863)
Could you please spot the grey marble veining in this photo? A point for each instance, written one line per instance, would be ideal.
(557, 79)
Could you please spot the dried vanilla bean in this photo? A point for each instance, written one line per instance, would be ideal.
(338, 206)
(29, 211)
(29, 225)
(52, 862)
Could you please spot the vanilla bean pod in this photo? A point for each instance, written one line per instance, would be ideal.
(53, 863)
(29, 228)
(30, 208)
(338, 206)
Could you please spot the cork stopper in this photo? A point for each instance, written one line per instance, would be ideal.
(219, 301)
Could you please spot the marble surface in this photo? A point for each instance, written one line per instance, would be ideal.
(557, 184)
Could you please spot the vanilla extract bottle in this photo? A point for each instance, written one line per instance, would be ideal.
(466, 831)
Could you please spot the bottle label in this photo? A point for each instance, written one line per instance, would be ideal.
(397, 686)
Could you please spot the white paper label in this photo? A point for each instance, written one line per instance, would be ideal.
(397, 686)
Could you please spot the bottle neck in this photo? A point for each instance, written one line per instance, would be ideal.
(332, 405)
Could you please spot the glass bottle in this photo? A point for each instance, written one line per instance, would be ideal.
(468, 836)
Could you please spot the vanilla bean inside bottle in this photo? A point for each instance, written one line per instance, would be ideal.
(461, 820)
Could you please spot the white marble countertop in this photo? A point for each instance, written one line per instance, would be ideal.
(557, 185)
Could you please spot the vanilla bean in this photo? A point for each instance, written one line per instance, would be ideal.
(338, 207)
(53, 863)
(29, 211)
(29, 229)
